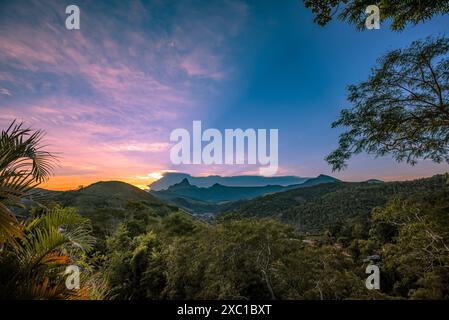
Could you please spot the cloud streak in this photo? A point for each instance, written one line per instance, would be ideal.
(108, 94)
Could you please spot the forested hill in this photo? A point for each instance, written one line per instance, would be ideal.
(105, 194)
(109, 203)
(312, 209)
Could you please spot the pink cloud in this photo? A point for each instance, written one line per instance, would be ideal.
(108, 95)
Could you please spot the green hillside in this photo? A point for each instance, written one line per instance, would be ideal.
(312, 209)
(105, 194)
(107, 203)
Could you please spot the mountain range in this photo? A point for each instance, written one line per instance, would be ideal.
(208, 200)
(111, 198)
(311, 206)
(172, 178)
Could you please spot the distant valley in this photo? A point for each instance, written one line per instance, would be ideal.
(210, 200)
(311, 206)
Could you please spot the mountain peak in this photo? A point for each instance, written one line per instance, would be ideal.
(216, 185)
(374, 181)
(183, 184)
(322, 178)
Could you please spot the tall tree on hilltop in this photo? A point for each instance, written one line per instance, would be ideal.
(402, 109)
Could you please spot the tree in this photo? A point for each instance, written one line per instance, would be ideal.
(34, 269)
(402, 109)
(416, 258)
(400, 12)
(35, 252)
(23, 166)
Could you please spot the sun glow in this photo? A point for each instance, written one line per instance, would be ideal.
(156, 175)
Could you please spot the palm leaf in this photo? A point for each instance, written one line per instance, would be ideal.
(23, 166)
(47, 291)
(9, 227)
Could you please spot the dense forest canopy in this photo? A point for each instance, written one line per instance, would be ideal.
(311, 242)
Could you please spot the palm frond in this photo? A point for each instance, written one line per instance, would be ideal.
(47, 291)
(37, 245)
(40, 248)
(9, 227)
(21, 152)
(75, 228)
(23, 166)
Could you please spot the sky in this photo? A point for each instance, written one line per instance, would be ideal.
(108, 95)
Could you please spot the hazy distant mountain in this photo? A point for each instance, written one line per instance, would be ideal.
(374, 181)
(319, 180)
(171, 178)
(208, 200)
(216, 192)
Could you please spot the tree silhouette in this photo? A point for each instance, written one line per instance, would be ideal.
(402, 109)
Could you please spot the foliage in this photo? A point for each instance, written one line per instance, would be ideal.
(109, 203)
(305, 243)
(35, 252)
(402, 109)
(133, 263)
(242, 259)
(417, 256)
(338, 207)
(34, 269)
(256, 252)
(23, 165)
(400, 12)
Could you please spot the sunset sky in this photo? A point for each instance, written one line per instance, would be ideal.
(108, 95)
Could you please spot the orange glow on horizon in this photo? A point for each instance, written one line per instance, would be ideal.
(66, 183)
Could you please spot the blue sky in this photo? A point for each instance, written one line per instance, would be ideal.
(109, 94)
